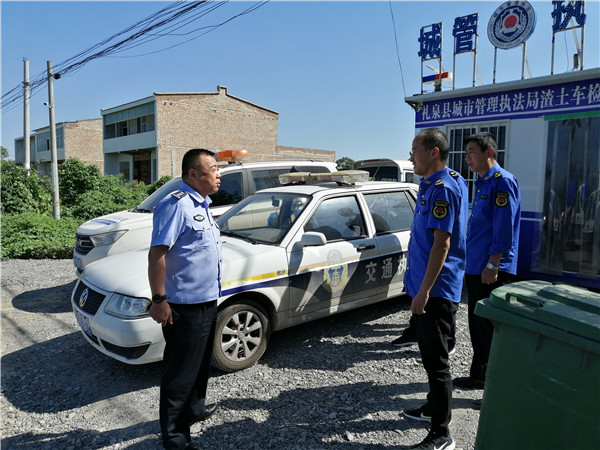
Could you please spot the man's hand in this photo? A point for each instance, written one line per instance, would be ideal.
(489, 276)
(418, 303)
(161, 313)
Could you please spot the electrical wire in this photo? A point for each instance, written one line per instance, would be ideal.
(169, 21)
(397, 50)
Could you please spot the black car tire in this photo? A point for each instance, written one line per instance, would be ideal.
(241, 336)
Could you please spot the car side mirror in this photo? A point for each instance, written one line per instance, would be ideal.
(312, 239)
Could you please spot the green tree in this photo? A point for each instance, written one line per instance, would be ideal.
(75, 179)
(20, 193)
(3, 152)
(345, 163)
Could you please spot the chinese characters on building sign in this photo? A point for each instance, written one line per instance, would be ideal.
(563, 13)
(464, 31)
(528, 102)
(430, 42)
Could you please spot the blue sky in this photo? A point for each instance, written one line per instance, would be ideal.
(329, 68)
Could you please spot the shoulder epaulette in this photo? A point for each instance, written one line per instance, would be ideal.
(497, 175)
(439, 183)
(453, 174)
(179, 194)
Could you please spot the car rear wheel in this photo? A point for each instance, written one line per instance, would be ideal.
(241, 336)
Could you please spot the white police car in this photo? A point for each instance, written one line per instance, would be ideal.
(131, 230)
(291, 254)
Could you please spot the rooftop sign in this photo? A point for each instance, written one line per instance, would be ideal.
(514, 103)
(511, 24)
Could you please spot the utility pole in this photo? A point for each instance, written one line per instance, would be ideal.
(55, 197)
(26, 140)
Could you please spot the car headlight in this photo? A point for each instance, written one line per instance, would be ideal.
(106, 238)
(128, 307)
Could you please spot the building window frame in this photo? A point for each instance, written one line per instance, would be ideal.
(456, 138)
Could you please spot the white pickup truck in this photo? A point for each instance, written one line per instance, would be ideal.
(384, 169)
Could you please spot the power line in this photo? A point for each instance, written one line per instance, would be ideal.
(168, 21)
(397, 50)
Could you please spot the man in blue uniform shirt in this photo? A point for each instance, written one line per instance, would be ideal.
(492, 243)
(434, 276)
(184, 270)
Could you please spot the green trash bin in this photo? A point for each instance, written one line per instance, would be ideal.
(542, 388)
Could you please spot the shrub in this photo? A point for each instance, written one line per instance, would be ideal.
(75, 179)
(21, 193)
(159, 183)
(32, 235)
(113, 194)
(28, 229)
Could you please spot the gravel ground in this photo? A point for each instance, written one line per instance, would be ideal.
(336, 383)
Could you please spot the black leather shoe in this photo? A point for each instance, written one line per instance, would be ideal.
(208, 411)
(468, 383)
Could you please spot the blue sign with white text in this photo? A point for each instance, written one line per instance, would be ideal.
(519, 103)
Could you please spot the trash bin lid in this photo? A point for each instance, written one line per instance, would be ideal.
(572, 309)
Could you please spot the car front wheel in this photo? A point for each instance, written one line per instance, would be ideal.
(241, 336)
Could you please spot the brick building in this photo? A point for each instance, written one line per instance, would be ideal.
(146, 139)
(81, 139)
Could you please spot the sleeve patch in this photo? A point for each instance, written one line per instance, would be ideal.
(502, 198)
(440, 209)
(179, 194)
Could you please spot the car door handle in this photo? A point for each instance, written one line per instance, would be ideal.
(362, 247)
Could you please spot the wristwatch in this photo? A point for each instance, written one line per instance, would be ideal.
(491, 266)
(157, 298)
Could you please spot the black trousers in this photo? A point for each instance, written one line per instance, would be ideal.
(410, 332)
(434, 333)
(481, 329)
(185, 370)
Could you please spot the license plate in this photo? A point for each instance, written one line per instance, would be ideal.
(83, 322)
(77, 262)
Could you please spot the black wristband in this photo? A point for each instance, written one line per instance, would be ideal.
(158, 298)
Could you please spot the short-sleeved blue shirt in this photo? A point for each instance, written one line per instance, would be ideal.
(443, 204)
(182, 222)
(494, 223)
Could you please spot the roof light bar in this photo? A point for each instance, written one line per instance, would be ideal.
(295, 177)
(350, 176)
(343, 176)
(231, 155)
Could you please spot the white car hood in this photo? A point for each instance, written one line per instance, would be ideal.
(115, 221)
(243, 262)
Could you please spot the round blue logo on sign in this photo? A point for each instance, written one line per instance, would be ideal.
(511, 24)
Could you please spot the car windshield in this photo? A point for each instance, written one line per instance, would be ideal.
(263, 218)
(154, 199)
(382, 173)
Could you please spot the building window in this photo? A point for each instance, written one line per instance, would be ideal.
(139, 119)
(571, 217)
(122, 129)
(130, 126)
(124, 169)
(456, 157)
(110, 131)
(146, 123)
